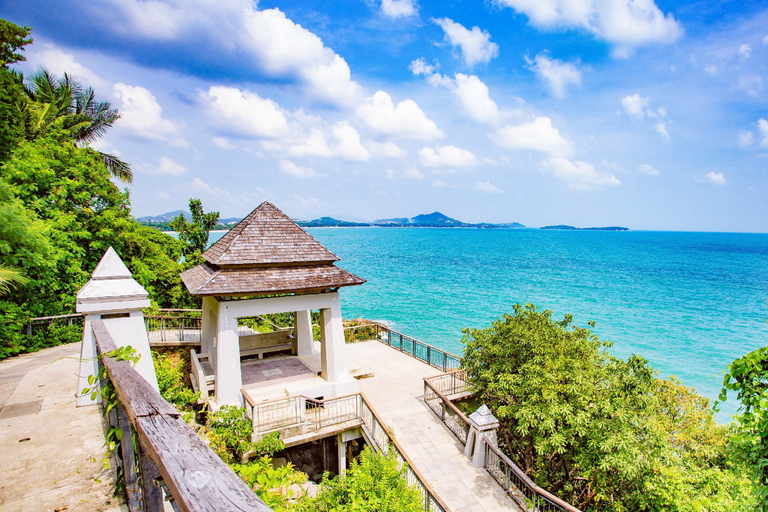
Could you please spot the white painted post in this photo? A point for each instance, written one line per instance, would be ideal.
(333, 355)
(113, 296)
(210, 325)
(482, 425)
(304, 344)
(341, 446)
(229, 378)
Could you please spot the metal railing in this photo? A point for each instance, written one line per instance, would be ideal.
(313, 415)
(517, 484)
(436, 391)
(181, 329)
(44, 323)
(299, 410)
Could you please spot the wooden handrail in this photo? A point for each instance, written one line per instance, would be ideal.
(445, 399)
(197, 478)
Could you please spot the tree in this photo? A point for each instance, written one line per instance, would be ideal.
(748, 377)
(12, 39)
(64, 105)
(10, 278)
(600, 432)
(195, 234)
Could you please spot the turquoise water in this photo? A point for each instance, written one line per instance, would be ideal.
(690, 303)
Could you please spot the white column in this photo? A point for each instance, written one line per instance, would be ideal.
(342, 451)
(333, 352)
(229, 377)
(88, 363)
(210, 325)
(304, 344)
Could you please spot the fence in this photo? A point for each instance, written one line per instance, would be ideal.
(159, 453)
(316, 414)
(174, 329)
(436, 390)
(433, 356)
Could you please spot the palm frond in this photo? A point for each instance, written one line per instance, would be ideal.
(10, 277)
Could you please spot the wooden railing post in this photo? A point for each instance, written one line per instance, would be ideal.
(151, 493)
(129, 461)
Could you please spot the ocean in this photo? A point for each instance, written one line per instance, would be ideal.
(690, 303)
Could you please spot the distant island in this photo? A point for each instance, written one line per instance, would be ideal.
(607, 228)
(431, 220)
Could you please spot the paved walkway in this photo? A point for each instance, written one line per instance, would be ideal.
(396, 391)
(51, 449)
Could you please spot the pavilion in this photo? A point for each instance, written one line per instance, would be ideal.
(268, 264)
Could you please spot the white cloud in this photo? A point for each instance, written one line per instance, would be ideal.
(634, 105)
(222, 143)
(438, 184)
(762, 126)
(538, 135)
(267, 38)
(406, 174)
(556, 74)
(386, 149)
(745, 139)
(199, 188)
(475, 99)
(421, 67)
(398, 8)
(486, 186)
(475, 44)
(57, 61)
(446, 156)
(164, 166)
(750, 84)
(648, 169)
(345, 144)
(579, 175)
(711, 69)
(765, 41)
(294, 170)
(245, 113)
(745, 51)
(142, 114)
(624, 23)
(661, 128)
(712, 178)
(405, 120)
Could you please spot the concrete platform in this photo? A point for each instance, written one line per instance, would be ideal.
(52, 451)
(396, 392)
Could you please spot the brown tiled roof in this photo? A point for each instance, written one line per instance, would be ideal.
(207, 279)
(266, 253)
(267, 236)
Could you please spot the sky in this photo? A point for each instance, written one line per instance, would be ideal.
(648, 115)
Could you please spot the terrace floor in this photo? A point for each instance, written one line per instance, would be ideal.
(51, 449)
(396, 392)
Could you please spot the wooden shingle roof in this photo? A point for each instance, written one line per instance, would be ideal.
(266, 253)
(267, 236)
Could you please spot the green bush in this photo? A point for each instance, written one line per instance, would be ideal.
(172, 382)
(373, 483)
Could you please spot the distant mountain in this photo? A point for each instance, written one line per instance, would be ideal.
(329, 222)
(439, 220)
(392, 222)
(164, 217)
(607, 228)
(435, 219)
(231, 221)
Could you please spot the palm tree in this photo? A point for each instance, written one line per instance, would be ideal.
(54, 103)
(10, 277)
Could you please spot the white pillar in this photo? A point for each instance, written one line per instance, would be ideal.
(304, 344)
(210, 325)
(229, 378)
(482, 428)
(333, 352)
(342, 451)
(112, 295)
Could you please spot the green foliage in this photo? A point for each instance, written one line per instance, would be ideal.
(172, 383)
(275, 486)
(229, 433)
(12, 39)
(600, 432)
(194, 234)
(748, 377)
(12, 114)
(372, 483)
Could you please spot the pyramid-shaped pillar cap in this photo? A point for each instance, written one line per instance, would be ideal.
(484, 419)
(111, 288)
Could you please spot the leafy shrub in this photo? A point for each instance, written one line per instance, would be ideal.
(373, 483)
(275, 486)
(172, 381)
